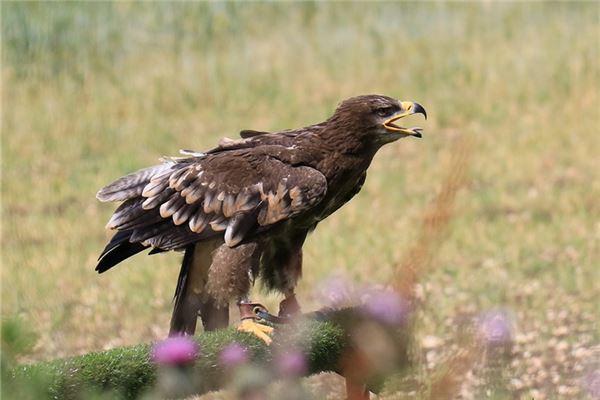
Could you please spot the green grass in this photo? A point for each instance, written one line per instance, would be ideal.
(129, 372)
(93, 91)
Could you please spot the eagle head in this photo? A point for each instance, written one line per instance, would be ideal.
(374, 117)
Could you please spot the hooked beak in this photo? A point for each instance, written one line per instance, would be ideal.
(408, 108)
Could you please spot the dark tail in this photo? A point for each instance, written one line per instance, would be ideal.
(118, 249)
(190, 302)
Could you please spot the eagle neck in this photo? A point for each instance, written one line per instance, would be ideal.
(335, 149)
(344, 157)
(348, 136)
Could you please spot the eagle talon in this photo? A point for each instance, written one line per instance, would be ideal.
(261, 331)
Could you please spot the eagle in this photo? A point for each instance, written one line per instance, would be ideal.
(243, 209)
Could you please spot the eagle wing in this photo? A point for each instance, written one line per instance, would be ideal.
(234, 193)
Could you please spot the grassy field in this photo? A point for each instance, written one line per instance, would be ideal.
(93, 91)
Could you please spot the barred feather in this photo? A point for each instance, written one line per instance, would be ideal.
(199, 221)
(131, 185)
(172, 205)
(152, 202)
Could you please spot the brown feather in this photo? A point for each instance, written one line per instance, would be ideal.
(245, 202)
(131, 185)
(184, 213)
(194, 194)
(228, 205)
(237, 228)
(152, 202)
(218, 223)
(212, 204)
(174, 178)
(199, 221)
(229, 274)
(172, 205)
(155, 187)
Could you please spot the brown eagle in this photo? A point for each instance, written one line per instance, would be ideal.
(243, 209)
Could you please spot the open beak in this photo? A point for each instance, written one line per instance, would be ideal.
(408, 108)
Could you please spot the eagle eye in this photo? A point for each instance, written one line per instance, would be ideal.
(385, 111)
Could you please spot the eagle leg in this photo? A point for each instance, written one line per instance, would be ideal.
(249, 323)
(289, 307)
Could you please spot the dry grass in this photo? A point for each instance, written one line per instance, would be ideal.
(93, 91)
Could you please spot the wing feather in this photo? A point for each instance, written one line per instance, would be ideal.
(158, 199)
(198, 222)
(172, 205)
(231, 194)
(132, 185)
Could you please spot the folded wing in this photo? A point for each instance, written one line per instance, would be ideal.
(233, 194)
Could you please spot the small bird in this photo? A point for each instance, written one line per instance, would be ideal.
(242, 210)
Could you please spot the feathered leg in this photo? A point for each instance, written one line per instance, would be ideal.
(230, 277)
(289, 306)
(213, 317)
(281, 269)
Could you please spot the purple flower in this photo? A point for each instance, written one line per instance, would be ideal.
(592, 383)
(291, 363)
(179, 350)
(233, 355)
(385, 306)
(336, 291)
(495, 328)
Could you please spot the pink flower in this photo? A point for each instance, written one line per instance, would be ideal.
(233, 355)
(495, 328)
(178, 350)
(385, 306)
(336, 291)
(291, 363)
(592, 383)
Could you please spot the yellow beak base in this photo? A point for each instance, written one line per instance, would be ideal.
(408, 108)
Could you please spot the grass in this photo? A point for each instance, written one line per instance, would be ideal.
(93, 91)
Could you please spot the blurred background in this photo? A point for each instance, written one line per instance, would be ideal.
(92, 91)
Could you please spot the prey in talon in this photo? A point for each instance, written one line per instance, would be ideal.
(242, 210)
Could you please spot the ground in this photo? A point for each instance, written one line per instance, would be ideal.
(91, 92)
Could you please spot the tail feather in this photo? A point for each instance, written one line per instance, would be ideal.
(118, 249)
(186, 265)
(185, 311)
